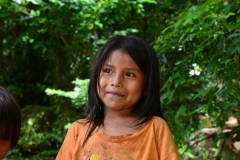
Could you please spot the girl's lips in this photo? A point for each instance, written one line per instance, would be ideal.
(116, 94)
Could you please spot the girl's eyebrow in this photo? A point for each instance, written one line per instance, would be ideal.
(134, 69)
(108, 65)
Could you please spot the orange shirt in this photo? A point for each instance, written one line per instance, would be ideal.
(152, 142)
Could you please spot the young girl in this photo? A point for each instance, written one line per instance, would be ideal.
(123, 120)
(10, 122)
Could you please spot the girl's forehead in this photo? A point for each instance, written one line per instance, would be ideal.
(116, 54)
(119, 55)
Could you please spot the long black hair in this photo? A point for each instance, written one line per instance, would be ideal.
(145, 57)
(10, 117)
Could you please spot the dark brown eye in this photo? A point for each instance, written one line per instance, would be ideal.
(129, 74)
(107, 70)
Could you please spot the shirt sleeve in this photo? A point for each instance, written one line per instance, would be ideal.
(171, 156)
(65, 152)
(167, 147)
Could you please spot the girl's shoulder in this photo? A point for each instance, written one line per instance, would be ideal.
(81, 121)
(79, 126)
(157, 119)
(159, 122)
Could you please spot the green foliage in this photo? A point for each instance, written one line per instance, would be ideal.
(199, 53)
(45, 45)
(44, 128)
(78, 95)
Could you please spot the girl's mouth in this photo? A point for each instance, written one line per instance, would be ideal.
(115, 94)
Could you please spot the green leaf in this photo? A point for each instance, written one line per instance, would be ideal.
(201, 109)
(181, 111)
(226, 8)
(202, 93)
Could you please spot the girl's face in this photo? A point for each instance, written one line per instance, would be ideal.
(120, 82)
(4, 147)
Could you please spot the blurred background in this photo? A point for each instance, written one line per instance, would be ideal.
(47, 47)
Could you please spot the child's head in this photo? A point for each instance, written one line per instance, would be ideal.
(146, 59)
(10, 122)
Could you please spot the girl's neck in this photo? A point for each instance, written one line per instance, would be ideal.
(119, 123)
(119, 117)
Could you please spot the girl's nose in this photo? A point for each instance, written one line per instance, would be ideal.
(115, 84)
(116, 81)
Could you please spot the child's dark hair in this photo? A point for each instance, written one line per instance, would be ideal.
(146, 58)
(10, 117)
